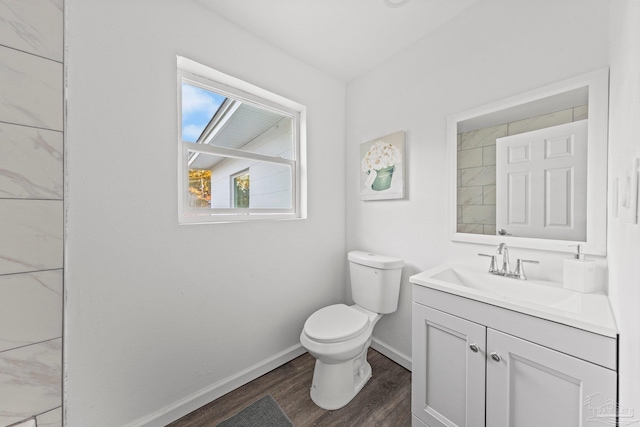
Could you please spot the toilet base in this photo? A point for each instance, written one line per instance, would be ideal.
(335, 385)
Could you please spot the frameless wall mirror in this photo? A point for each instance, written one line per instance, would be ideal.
(531, 170)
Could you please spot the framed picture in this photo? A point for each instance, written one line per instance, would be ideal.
(382, 168)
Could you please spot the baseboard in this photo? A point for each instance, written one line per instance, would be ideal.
(191, 403)
(393, 354)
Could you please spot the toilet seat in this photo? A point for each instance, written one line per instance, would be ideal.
(335, 323)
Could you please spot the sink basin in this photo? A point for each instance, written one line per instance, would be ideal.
(540, 298)
(530, 291)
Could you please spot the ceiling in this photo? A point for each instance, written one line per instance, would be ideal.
(343, 38)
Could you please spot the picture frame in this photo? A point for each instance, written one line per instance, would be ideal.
(382, 171)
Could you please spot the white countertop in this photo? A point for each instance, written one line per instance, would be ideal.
(540, 298)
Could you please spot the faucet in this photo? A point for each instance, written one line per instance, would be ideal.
(504, 251)
(506, 267)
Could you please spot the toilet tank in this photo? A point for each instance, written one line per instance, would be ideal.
(375, 281)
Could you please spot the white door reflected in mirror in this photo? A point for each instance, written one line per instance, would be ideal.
(548, 165)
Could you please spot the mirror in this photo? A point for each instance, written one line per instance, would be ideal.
(531, 170)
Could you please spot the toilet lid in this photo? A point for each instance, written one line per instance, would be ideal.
(335, 323)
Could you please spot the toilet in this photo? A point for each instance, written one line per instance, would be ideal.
(338, 336)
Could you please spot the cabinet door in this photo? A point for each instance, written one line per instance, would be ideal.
(448, 376)
(532, 386)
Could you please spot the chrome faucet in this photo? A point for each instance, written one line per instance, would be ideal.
(519, 271)
(505, 270)
(506, 267)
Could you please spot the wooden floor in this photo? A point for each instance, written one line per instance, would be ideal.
(385, 401)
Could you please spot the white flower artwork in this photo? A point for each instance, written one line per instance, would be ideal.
(382, 168)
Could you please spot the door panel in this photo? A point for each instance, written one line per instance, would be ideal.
(532, 386)
(541, 182)
(448, 388)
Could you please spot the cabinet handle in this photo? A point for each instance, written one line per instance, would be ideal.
(474, 348)
(495, 356)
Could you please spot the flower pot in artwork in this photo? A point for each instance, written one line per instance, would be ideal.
(383, 179)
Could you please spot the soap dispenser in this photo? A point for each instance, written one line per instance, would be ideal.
(579, 273)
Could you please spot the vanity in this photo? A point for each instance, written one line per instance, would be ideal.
(499, 352)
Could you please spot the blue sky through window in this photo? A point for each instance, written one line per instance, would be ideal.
(198, 107)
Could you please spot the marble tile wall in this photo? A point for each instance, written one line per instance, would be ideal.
(34, 27)
(31, 211)
(476, 199)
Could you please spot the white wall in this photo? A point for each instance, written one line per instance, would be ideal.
(157, 312)
(624, 238)
(496, 49)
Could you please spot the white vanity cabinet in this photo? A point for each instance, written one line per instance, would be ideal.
(448, 377)
(476, 364)
(532, 385)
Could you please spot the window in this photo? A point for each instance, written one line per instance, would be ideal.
(241, 150)
(240, 190)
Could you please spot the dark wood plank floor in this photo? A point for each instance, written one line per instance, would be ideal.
(385, 401)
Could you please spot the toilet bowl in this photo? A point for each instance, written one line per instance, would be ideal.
(338, 336)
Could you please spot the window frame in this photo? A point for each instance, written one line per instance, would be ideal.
(234, 190)
(196, 74)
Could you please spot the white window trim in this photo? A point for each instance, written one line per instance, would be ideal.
(201, 75)
(232, 183)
